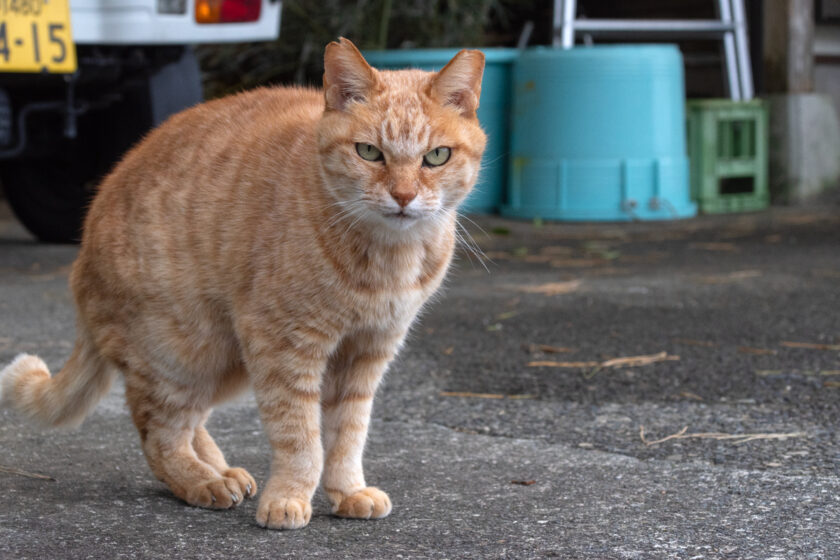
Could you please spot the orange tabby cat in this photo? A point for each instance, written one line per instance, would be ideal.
(284, 238)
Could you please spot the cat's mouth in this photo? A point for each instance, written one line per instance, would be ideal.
(402, 218)
(401, 214)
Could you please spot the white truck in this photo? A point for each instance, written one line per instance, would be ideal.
(80, 84)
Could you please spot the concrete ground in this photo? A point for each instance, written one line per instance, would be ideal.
(504, 430)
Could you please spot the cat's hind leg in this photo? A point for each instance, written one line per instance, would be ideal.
(167, 420)
(209, 452)
(231, 383)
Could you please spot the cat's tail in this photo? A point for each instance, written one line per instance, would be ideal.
(63, 399)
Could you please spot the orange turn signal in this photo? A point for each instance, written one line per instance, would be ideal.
(227, 11)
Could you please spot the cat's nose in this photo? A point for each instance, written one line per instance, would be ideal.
(404, 196)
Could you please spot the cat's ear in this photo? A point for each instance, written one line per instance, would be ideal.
(347, 76)
(459, 82)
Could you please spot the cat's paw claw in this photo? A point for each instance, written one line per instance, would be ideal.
(284, 513)
(219, 493)
(246, 485)
(367, 503)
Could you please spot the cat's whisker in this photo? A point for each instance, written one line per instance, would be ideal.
(350, 208)
(486, 164)
(468, 250)
(460, 241)
(467, 240)
(473, 222)
(357, 209)
(340, 216)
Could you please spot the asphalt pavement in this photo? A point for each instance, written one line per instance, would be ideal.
(646, 390)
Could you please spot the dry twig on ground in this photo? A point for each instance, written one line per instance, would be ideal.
(733, 438)
(483, 395)
(19, 472)
(810, 345)
(629, 361)
(550, 288)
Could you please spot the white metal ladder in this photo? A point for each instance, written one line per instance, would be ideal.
(730, 27)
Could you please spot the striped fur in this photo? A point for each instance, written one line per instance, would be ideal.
(246, 242)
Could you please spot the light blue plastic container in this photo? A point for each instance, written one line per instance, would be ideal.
(599, 134)
(493, 113)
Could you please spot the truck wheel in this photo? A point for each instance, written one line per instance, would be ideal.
(50, 197)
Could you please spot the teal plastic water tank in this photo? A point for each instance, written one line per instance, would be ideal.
(493, 113)
(598, 133)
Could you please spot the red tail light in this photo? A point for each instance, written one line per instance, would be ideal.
(227, 11)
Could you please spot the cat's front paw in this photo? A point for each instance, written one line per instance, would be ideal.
(283, 513)
(367, 503)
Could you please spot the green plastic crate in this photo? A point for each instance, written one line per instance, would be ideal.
(727, 149)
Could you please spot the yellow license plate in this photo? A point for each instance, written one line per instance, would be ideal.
(35, 36)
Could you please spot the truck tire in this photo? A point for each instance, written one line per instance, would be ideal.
(50, 195)
(50, 198)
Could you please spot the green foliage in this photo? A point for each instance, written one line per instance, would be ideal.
(297, 56)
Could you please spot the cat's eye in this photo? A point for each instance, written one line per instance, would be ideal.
(369, 152)
(436, 157)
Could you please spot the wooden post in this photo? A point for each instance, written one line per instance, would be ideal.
(788, 46)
